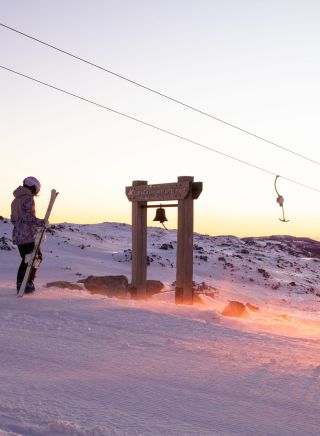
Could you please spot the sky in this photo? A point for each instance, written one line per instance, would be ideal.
(254, 64)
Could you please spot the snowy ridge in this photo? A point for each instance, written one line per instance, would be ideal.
(285, 264)
(72, 363)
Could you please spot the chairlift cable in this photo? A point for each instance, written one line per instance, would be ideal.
(161, 94)
(168, 132)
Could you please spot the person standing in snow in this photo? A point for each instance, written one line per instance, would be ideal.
(25, 222)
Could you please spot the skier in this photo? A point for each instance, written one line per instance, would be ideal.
(25, 224)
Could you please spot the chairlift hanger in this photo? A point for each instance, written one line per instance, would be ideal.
(280, 201)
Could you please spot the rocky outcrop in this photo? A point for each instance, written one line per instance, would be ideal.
(5, 244)
(118, 286)
(153, 287)
(64, 285)
(252, 307)
(235, 309)
(111, 286)
(294, 246)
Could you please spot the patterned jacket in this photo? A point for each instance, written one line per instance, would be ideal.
(23, 217)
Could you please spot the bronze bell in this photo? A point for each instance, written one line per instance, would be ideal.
(160, 215)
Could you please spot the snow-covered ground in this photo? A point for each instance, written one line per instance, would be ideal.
(73, 363)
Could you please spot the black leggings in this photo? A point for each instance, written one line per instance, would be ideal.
(24, 250)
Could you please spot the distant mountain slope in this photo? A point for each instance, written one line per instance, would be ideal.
(277, 266)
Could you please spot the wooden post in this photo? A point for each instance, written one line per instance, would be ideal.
(139, 245)
(184, 280)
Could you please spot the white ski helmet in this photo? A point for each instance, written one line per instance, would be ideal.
(32, 182)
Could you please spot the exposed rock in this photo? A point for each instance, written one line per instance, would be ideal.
(112, 286)
(282, 317)
(64, 285)
(294, 246)
(125, 256)
(204, 288)
(58, 226)
(51, 230)
(235, 309)
(153, 287)
(166, 246)
(252, 307)
(5, 244)
(95, 235)
(198, 248)
(264, 273)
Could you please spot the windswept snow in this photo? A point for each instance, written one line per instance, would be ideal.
(72, 363)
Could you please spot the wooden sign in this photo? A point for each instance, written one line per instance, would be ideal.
(159, 192)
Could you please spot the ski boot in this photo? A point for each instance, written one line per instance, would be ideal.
(29, 288)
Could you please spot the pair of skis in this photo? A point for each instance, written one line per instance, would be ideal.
(32, 258)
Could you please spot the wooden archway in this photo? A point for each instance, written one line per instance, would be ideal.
(185, 190)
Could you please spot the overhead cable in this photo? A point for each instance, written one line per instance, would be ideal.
(153, 126)
(193, 108)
